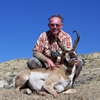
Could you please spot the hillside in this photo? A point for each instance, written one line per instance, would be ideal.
(87, 84)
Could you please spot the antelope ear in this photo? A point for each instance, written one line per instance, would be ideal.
(63, 53)
(74, 50)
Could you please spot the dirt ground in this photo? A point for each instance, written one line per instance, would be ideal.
(87, 84)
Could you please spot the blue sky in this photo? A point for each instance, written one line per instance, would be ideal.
(22, 22)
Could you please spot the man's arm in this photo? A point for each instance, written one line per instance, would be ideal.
(43, 58)
(39, 55)
(38, 49)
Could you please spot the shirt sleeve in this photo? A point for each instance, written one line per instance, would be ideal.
(39, 44)
(39, 55)
(39, 47)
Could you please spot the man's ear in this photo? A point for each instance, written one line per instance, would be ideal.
(61, 25)
(49, 25)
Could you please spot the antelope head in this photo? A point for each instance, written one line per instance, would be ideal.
(70, 55)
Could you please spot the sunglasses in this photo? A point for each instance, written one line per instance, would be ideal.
(57, 25)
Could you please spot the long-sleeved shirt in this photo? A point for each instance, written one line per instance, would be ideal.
(43, 48)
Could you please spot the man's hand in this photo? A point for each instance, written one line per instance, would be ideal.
(49, 62)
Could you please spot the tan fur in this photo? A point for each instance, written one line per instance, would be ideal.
(55, 74)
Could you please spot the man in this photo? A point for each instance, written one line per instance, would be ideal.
(46, 49)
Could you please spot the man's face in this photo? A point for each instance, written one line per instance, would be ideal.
(55, 25)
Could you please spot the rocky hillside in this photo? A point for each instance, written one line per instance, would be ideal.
(87, 84)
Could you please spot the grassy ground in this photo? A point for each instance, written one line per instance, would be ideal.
(87, 84)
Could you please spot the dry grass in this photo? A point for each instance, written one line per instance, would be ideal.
(87, 84)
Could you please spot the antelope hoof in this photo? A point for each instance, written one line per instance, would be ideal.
(43, 93)
(56, 96)
(70, 91)
(26, 91)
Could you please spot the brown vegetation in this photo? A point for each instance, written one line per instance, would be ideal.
(87, 84)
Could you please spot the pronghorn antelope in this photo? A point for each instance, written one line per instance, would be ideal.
(51, 80)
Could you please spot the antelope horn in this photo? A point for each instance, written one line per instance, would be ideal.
(58, 42)
(63, 49)
(76, 40)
